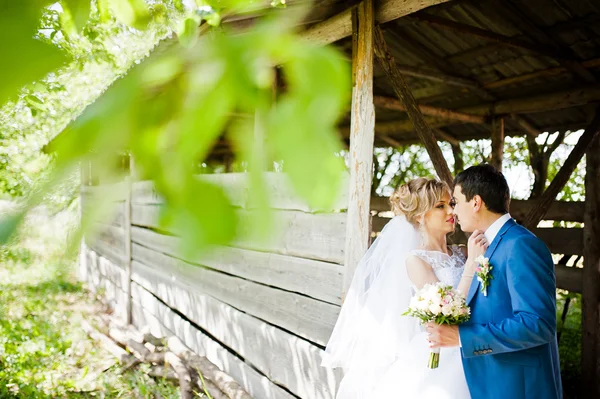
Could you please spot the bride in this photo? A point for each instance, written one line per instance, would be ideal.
(384, 354)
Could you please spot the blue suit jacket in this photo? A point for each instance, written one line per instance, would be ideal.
(509, 345)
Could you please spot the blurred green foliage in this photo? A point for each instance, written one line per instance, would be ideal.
(169, 110)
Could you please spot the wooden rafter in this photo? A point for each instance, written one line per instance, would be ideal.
(454, 26)
(340, 26)
(523, 20)
(387, 62)
(395, 105)
(512, 107)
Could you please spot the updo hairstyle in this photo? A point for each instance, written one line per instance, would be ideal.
(417, 197)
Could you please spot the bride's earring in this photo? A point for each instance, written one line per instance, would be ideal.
(422, 233)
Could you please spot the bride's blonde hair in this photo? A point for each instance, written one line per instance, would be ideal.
(417, 197)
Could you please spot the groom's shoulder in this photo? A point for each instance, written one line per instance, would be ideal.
(520, 235)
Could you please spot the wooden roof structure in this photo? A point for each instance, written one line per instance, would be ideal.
(536, 63)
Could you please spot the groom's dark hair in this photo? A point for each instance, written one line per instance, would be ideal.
(487, 182)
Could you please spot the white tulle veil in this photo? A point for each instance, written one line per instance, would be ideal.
(371, 332)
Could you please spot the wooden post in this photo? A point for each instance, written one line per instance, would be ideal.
(591, 273)
(459, 163)
(129, 167)
(362, 135)
(388, 63)
(497, 143)
(563, 175)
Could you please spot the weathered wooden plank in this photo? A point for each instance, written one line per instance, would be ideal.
(164, 322)
(306, 317)
(340, 25)
(316, 279)
(591, 281)
(312, 236)
(111, 192)
(570, 211)
(113, 215)
(108, 250)
(569, 278)
(288, 361)
(362, 135)
(108, 285)
(236, 186)
(127, 243)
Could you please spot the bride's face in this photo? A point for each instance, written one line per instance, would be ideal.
(441, 217)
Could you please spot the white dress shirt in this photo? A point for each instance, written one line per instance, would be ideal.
(494, 229)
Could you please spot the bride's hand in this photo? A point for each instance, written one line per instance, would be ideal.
(477, 245)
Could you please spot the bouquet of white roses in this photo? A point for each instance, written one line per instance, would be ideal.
(441, 304)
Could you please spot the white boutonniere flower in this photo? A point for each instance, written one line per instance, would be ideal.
(483, 273)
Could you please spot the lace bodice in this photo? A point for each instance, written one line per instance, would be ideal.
(447, 268)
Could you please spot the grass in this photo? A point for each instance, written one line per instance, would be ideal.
(44, 353)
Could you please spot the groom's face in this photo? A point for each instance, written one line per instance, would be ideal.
(464, 211)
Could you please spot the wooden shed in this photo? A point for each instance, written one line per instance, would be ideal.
(423, 70)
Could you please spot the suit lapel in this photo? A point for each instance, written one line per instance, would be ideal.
(488, 254)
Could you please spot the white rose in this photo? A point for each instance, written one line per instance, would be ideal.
(423, 306)
(435, 309)
(447, 310)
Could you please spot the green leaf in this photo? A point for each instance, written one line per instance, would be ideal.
(104, 10)
(201, 214)
(9, 225)
(26, 59)
(79, 11)
(134, 13)
(188, 32)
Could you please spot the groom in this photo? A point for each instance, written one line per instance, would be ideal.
(509, 345)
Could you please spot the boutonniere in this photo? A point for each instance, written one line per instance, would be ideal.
(483, 273)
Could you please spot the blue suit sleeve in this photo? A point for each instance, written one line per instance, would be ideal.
(532, 287)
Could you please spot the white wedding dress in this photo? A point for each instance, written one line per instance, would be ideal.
(409, 377)
(384, 354)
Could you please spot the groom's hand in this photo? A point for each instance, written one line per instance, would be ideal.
(442, 336)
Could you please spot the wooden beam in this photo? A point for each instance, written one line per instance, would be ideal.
(524, 20)
(595, 63)
(497, 143)
(591, 279)
(539, 103)
(559, 181)
(442, 135)
(362, 135)
(426, 73)
(387, 62)
(569, 278)
(454, 26)
(442, 113)
(340, 26)
(525, 126)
